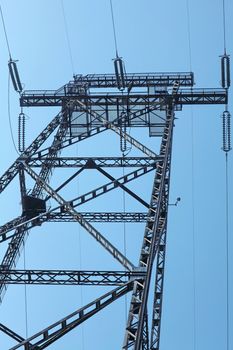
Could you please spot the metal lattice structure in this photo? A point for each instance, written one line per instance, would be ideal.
(91, 105)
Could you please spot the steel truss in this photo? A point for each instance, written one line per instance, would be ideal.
(64, 277)
(162, 94)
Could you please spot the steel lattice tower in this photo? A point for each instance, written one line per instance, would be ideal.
(91, 105)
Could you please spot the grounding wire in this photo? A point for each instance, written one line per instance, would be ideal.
(5, 32)
(67, 36)
(192, 191)
(114, 27)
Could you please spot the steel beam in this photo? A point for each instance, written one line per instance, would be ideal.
(108, 217)
(116, 101)
(158, 292)
(18, 239)
(12, 171)
(70, 277)
(153, 232)
(25, 223)
(55, 331)
(84, 223)
(103, 162)
(11, 333)
(131, 80)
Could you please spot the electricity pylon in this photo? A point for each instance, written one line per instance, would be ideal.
(92, 105)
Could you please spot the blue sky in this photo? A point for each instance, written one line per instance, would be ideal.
(152, 37)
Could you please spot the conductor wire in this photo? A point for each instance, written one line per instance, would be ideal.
(25, 292)
(124, 234)
(227, 250)
(189, 34)
(67, 36)
(114, 28)
(9, 116)
(192, 191)
(224, 25)
(5, 32)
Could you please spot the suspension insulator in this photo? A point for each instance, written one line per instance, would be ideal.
(123, 142)
(225, 71)
(21, 132)
(14, 74)
(119, 72)
(226, 124)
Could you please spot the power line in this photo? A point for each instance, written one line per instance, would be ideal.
(25, 293)
(9, 116)
(67, 37)
(189, 34)
(114, 28)
(224, 25)
(5, 32)
(227, 250)
(192, 190)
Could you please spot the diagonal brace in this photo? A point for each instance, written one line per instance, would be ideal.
(135, 196)
(55, 331)
(84, 223)
(117, 130)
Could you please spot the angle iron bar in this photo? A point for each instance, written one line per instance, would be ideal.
(11, 333)
(71, 141)
(131, 193)
(66, 182)
(69, 277)
(55, 331)
(84, 223)
(73, 162)
(110, 217)
(54, 151)
(38, 220)
(92, 132)
(160, 266)
(12, 171)
(111, 185)
(58, 216)
(135, 79)
(158, 292)
(135, 324)
(13, 250)
(109, 80)
(119, 132)
(186, 96)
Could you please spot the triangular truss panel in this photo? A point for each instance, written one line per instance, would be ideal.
(105, 145)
